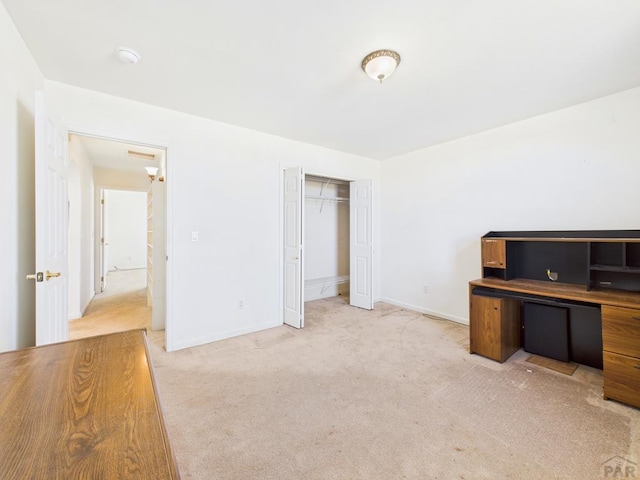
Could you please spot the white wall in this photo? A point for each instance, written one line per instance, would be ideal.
(224, 182)
(127, 217)
(120, 179)
(19, 79)
(81, 237)
(576, 168)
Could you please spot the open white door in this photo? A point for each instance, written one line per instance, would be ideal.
(293, 259)
(51, 168)
(361, 252)
(104, 235)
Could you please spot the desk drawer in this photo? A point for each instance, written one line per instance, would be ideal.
(621, 330)
(622, 378)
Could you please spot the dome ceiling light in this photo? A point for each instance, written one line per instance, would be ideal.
(380, 64)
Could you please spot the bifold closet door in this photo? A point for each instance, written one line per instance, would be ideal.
(361, 248)
(293, 235)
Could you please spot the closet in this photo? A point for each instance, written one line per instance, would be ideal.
(326, 237)
(327, 247)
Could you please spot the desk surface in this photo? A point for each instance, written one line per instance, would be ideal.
(565, 291)
(84, 409)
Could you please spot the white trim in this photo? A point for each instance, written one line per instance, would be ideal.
(416, 308)
(169, 327)
(101, 186)
(194, 342)
(281, 169)
(335, 174)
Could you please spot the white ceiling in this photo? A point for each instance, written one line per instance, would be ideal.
(115, 155)
(292, 67)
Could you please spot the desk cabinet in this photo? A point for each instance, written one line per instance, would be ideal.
(494, 327)
(621, 345)
(592, 270)
(494, 253)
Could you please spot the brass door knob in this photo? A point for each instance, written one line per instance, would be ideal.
(49, 275)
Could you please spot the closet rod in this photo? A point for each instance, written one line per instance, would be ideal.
(331, 199)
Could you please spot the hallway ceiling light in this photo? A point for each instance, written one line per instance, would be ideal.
(380, 64)
(127, 55)
(152, 172)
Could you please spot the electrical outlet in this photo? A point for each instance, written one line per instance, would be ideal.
(240, 304)
(194, 236)
(425, 288)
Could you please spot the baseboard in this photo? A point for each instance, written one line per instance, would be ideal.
(79, 314)
(195, 342)
(427, 311)
(87, 303)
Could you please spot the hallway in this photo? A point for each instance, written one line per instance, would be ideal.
(123, 306)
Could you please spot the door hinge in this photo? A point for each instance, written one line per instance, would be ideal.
(102, 201)
(102, 279)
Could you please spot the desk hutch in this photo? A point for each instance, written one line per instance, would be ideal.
(569, 295)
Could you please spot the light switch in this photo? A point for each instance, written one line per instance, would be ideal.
(194, 236)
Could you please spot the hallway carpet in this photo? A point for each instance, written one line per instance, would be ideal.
(386, 394)
(122, 306)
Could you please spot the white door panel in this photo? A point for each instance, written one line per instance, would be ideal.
(361, 294)
(51, 168)
(293, 258)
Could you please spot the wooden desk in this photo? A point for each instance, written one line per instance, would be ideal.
(618, 298)
(494, 325)
(84, 409)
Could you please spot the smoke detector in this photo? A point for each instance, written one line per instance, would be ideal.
(127, 55)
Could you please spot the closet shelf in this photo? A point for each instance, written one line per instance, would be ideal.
(337, 280)
(330, 199)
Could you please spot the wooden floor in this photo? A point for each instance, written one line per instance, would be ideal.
(122, 306)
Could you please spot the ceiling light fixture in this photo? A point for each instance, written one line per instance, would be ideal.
(127, 55)
(380, 64)
(152, 172)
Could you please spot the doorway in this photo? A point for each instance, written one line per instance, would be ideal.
(127, 236)
(326, 238)
(326, 241)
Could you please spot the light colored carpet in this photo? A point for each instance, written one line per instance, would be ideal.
(122, 306)
(387, 394)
